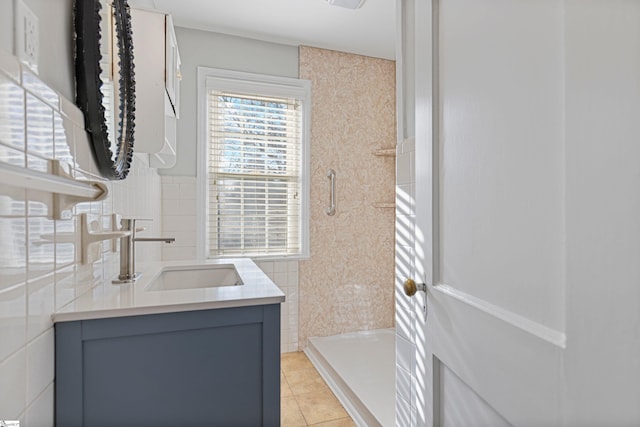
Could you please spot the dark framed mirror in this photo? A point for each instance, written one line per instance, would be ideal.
(105, 81)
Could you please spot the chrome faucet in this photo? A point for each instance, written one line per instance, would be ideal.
(128, 251)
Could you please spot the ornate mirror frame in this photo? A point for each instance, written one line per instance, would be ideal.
(113, 151)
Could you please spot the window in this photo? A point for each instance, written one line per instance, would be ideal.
(253, 164)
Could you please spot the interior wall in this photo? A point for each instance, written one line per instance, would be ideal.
(6, 25)
(208, 49)
(348, 284)
(55, 22)
(410, 396)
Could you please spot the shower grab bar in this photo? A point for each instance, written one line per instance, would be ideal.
(331, 210)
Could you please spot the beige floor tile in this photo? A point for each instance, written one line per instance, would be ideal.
(320, 406)
(305, 381)
(290, 415)
(294, 361)
(285, 390)
(343, 422)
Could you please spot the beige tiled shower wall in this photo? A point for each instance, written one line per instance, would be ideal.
(39, 268)
(348, 284)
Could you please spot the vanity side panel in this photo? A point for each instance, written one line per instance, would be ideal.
(68, 368)
(271, 370)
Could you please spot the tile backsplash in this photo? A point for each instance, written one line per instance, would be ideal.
(285, 275)
(39, 267)
(179, 216)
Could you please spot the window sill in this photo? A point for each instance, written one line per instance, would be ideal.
(272, 258)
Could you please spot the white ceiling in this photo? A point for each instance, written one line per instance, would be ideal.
(369, 30)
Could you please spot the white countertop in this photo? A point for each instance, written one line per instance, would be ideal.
(109, 300)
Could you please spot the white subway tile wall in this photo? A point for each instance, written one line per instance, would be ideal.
(405, 267)
(179, 221)
(285, 275)
(39, 267)
(179, 216)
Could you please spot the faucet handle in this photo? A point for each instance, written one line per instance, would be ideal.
(118, 225)
(130, 223)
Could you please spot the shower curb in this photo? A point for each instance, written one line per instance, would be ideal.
(361, 416)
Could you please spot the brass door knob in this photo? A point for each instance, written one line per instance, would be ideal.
(411, 287)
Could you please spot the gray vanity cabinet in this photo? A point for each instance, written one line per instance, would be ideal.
(218, 367)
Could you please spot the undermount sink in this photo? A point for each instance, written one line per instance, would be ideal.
(195, 277)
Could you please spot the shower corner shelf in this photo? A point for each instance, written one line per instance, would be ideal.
(385, 152)
(384, 205)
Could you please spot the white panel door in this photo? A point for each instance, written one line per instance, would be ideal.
(507, 139)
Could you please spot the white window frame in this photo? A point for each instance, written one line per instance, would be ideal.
(258, 84)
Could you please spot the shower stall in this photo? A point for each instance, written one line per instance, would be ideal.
(346, 288)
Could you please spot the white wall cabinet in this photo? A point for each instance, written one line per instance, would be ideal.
(157, 69)
(172, 66)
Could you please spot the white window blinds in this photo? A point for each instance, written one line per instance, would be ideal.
(254, 174)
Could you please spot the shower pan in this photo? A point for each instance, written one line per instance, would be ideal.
(359, 368)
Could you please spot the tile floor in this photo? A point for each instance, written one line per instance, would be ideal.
(306, 398)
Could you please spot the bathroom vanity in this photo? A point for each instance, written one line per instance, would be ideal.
(145, 355)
